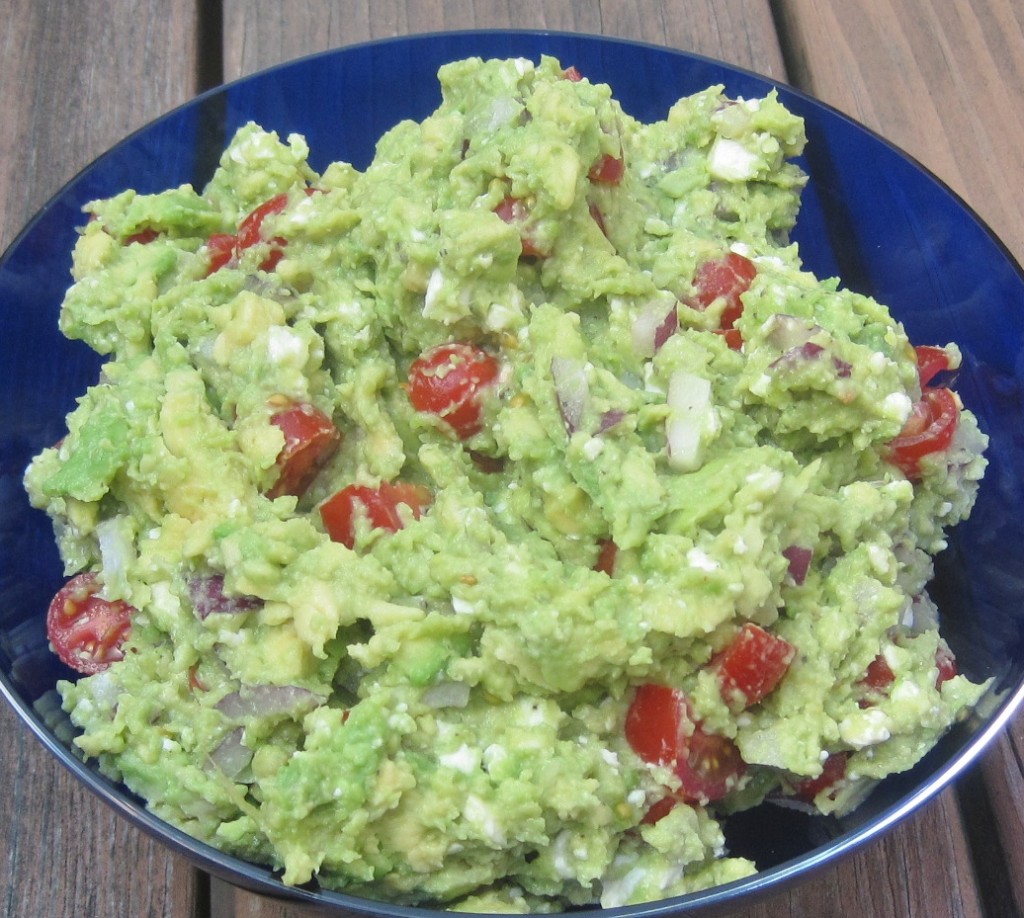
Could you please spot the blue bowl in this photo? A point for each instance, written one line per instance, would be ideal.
(871, 215)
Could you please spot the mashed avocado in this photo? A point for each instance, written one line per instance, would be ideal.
(492, 522)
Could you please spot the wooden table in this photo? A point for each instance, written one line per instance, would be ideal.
(944, 80)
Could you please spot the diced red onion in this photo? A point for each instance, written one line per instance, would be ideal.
(784, 331)
(571, 390)
(610, 419)
(843, 369)
(799, 559)
(653, 327)
(267, 700)
(208, 597)
(801, 353)
(232, 756)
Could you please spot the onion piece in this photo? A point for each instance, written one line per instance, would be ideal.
(572, 391)
(208, 597)
(268, 700)
(801, 353)
(609, 419)
(799, 559)
(446, 695)
(232, 756)
(784, 332)
(653, 327)
(691, 421)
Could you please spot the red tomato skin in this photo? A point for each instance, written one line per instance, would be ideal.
(222, 248)
(572, 74)
(930, 362)
(310, 439)
(929, 429)
(945, 663)
(515, 212)
(449, 381)
(653, 722)
(608, 170)
(250, 229)
(832, 772)
(751, 667)
(87, 631)
(380, 506)
(709, 767)
(143, 237)
(607, 555)
(733, 337)
(660, 729)
(728, 277)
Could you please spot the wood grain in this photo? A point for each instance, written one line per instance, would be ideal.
(944, 81)
(263, 33)
(77, 78)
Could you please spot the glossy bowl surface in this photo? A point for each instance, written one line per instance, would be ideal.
(871, 215)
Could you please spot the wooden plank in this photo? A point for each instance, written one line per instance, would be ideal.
(944, 81)
(78, 78)
(263, 33)
(921, 867)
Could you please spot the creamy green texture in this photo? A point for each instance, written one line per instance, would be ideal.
(437, 715)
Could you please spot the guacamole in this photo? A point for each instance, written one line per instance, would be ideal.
(484, 527)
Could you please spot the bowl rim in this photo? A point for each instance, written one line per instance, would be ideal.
(264, 880)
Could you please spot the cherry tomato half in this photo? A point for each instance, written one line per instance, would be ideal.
(728, 278)
(661, 729)
(929, 429)
(87, 631)
(752, 665)
(379, 505)
(450, 381)
(310, 439)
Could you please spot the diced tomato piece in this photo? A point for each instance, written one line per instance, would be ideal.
(733, 337)
(945, 662)
(222, 247)
(515, 212)
(310, 439)
(832, 772)
(380, 506)
(451, 381)
(250, 229)
(930, 362)
(608, 170)
(660, 729)
(607, 555)
(143, 236)
(659, 810)
(653, 723)
(879, 675)
(929, 429)
(752, 666)
(572, 75)
(87, 631)
(728, 278)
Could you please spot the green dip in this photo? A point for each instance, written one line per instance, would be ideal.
(449, 707)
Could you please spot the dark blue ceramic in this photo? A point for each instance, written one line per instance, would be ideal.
(871, 215)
